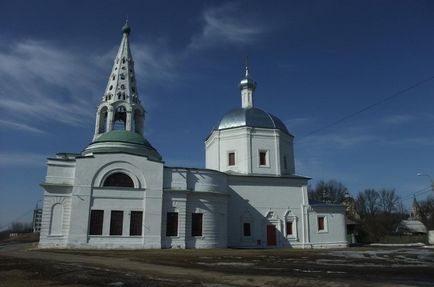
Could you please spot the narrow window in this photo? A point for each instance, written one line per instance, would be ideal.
(96, 221)
(246, 229)
(116, 222)
(289, 228)
(285, 164)
(231, 158)
(113, 77)
(262, 157)
(321, 223)
(136, 223)
(122, 76)
(196, 224)
(172, 224)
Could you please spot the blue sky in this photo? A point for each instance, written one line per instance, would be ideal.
(315, 62)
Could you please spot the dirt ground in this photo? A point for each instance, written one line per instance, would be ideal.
(24, 265)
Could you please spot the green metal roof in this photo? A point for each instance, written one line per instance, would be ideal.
(121, 141)
(122, 136)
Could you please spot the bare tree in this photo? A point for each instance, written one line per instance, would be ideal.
(426, 212)
(331, 191)
(367, 202)
(20, 227)
(388, 201)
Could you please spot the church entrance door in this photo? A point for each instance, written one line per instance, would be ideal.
(271, 235)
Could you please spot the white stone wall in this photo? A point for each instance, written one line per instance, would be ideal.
(57, 197)
(263, 201)
(87, 193)
(214, 210)
(334, 234)
(190, 191)
(246, 143)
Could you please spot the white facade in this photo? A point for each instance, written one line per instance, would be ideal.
(117, 193)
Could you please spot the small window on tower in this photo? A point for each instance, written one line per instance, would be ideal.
(231, 158)
(123, 60)
(123, 87)
(122, 76)
(133, 89)
(263, 158)
(114, 77)
(111, 88)
(285, 163)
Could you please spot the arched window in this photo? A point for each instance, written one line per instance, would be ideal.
(118, 179)
(120, 118)
(102, 120)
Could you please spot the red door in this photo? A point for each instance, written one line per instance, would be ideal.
(271, 235)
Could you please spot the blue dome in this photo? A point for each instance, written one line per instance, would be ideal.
(252, 117)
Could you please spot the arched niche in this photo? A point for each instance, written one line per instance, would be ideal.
(56, 220)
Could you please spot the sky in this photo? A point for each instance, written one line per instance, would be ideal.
(316, 63)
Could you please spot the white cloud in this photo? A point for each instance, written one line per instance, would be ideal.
(19, 126)
(299, 123)
(226, 24)
(42, 82)
(154, 63)
(397, 119)
(16, 159)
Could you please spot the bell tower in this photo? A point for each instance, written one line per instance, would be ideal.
(120, 107)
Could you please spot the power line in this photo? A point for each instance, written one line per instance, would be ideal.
(418, 192)
(394, 95)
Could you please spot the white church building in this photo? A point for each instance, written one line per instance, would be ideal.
(118, 193)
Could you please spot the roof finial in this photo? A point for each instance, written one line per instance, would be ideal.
(126, 28)
(247, 66)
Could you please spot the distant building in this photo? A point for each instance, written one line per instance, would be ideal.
(118, 193)
(37, 219)
(413, 225)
